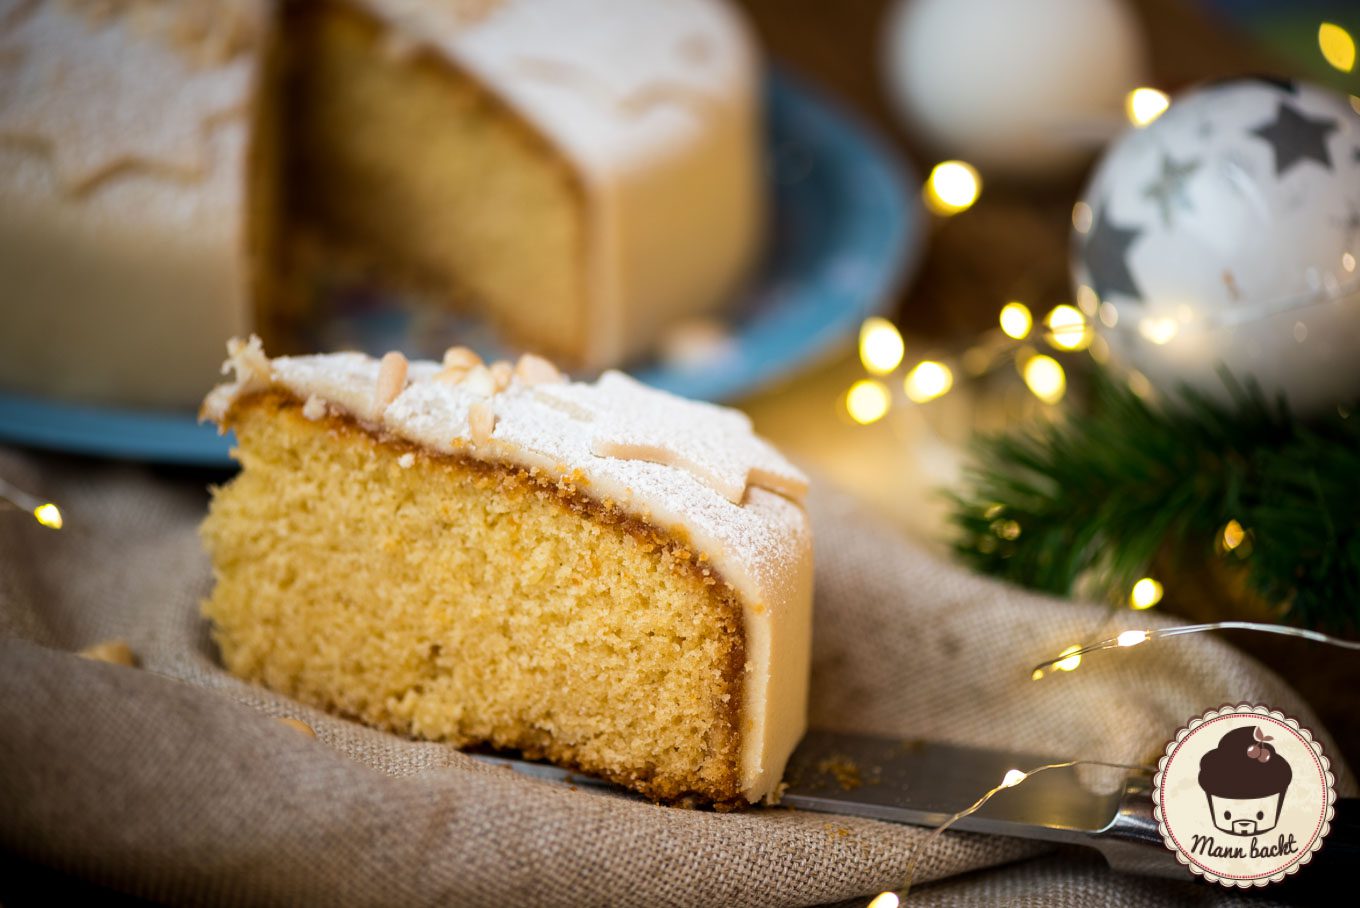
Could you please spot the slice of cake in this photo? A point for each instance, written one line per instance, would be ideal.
(577, 173)
(603, 575)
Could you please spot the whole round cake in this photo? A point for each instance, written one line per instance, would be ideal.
(579, 173)
(605, 575)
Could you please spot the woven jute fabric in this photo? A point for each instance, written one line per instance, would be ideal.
(170, 781)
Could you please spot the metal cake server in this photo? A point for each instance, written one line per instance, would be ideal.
(924, 783)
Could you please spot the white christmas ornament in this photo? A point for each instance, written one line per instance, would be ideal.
(1227, 234)
(1013, 88)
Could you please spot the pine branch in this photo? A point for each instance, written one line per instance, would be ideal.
(1095, 498)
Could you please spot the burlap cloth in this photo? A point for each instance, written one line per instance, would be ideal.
(186, 792)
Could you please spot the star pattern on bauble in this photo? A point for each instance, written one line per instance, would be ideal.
(1106, 255)
(1296, 138)
(103, 95)
(1168, 190)
(716, 445)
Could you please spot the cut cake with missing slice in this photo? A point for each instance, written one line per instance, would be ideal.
(603, 575)
(581, 175)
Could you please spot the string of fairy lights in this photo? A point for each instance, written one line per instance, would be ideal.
(953, 187)
(1068, 661)
(1018, 339)
(1012, 778)
(13, 498)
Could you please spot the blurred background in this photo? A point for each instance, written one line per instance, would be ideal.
(1010, 243)
(893, 421)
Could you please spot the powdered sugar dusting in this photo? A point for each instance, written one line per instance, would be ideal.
(715, 444)
(694, 469)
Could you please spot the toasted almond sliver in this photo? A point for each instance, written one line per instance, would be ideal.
(314, 408)
(461, 358)
(391, 381)
(481, 421)
(451, 375)
(501, 372)
(535, 370)
(479, 381)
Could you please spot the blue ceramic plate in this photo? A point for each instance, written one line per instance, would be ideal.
(844, 234)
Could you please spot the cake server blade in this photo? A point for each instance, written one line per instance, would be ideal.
(925, 782)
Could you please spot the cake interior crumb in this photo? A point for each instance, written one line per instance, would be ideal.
(459, 601)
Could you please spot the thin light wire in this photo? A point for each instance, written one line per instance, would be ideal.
(977, 805)
(16, 497)
(45, 512)
(1045, 668)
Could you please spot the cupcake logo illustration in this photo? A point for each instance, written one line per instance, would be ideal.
(1245, 780)
(1244, 795)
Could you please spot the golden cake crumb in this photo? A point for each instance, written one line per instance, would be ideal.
(461, 601)
(844, 770)
(115, 652)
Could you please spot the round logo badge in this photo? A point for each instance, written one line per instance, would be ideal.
(1243, 795)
